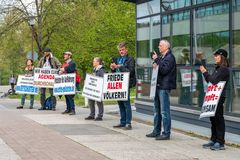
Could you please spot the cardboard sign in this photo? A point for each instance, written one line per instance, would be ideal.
(44, 78)
(116, 86)
(64, 84)
(93, 87)
(25, 85)
(188, 77)
(211, 99)
(154, 82)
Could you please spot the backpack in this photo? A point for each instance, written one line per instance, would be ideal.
(78, 77)
(48, 104)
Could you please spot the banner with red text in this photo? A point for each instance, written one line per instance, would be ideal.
(211, 99)
(93, 87)
(116, 86)
(44, 78)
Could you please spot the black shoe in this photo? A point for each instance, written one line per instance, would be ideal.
(31, 107)
(119, 126)
(217, 146)
(65, 112)
(208, 145)
(128, 127)
(20, 107)
(98, 119)
(162, 137)
(41, 109)
(152, 135)
(89, 118)
(53, 109)
(72, 113)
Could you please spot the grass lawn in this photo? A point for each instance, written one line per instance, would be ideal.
(79, 99)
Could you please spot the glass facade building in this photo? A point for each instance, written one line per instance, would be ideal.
(195, 29)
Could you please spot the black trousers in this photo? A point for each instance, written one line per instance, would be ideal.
(218, 124)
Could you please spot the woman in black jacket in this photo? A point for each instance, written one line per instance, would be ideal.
(221, 73)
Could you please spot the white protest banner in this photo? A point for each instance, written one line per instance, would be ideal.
(25, 85)
(188, 76)
(153, 82)
(211, 99)
(116, 86)
(93, 87)
(64, 84)
(44, 78)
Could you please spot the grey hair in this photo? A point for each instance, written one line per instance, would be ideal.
(166, 43)
(99, 60)
(121, 45)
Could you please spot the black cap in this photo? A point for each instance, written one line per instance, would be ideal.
(222, 52)
(47, 50)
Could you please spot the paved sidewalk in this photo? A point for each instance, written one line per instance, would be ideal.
(49, 135)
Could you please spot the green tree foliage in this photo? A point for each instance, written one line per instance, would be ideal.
(87, 28)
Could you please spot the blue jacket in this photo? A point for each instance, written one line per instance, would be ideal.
(167, 71)
(69, 67)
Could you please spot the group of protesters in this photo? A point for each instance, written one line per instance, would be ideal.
(166, 82)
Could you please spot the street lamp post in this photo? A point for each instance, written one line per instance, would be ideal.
(31, 20)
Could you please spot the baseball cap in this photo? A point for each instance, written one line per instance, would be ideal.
(222, 52)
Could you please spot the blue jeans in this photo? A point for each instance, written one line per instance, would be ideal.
(70, 103)
(162, 112)
(125, 111)
(23, 100)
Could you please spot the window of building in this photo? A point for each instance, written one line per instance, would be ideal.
(148, 36)
(173, 4)
(236, 57)
(201, 1)
(148, 8)
(211, 30)
(176, 29)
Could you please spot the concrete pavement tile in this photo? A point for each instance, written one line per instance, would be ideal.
(47, 119)
(7, 153)
(100, 139)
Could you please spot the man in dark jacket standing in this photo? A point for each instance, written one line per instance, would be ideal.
(48, 61)
(166, 81)
(125, 63)
(68, 67)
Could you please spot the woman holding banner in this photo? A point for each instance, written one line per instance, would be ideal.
(97, 71)
(28, 72)
(221, 73)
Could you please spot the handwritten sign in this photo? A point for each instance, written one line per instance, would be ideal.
(64, 84)
(116, 86)
(44, 78)
(25, 85)
(93, 87)
(211, 99)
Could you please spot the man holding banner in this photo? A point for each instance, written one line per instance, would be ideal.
(69, 67)
(125, 63)
(48, 62)
(221, 73)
